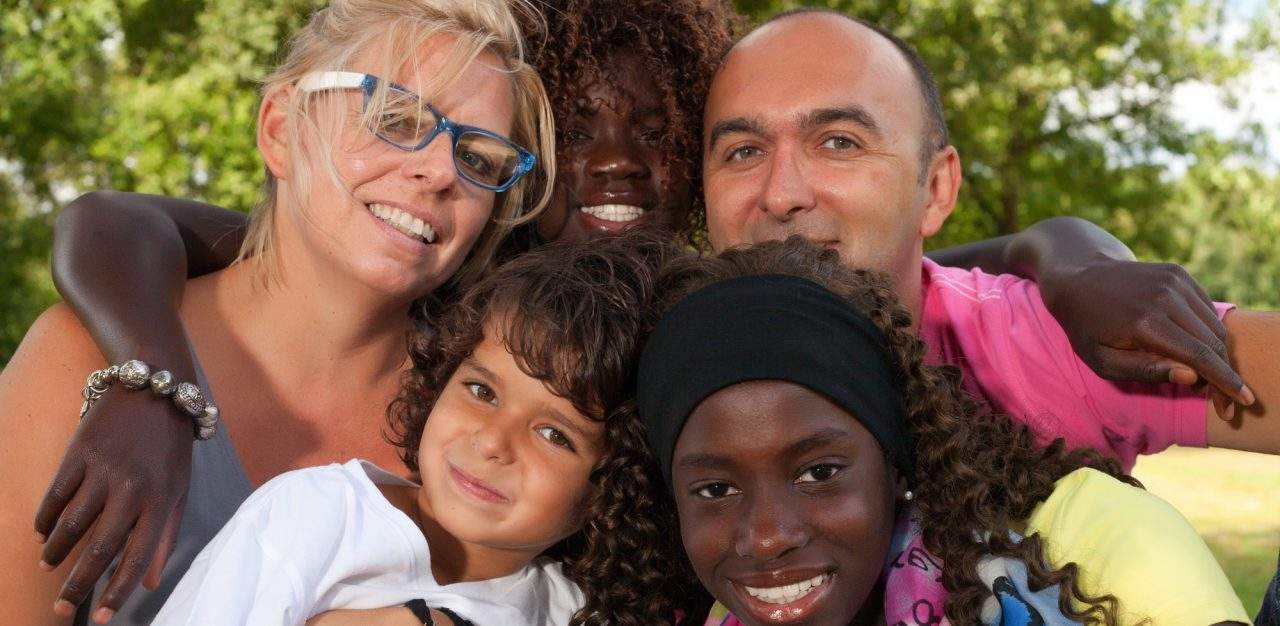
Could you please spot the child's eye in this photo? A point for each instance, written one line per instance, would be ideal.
(819, 473)
(713, 491)
(555, 436)
(482, 392)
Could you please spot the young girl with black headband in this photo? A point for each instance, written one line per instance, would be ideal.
(824, 475)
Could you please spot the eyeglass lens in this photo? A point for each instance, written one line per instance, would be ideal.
(405, 121)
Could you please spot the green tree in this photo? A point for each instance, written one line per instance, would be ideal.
(1057, 108)
(51, 65)
(143, 95)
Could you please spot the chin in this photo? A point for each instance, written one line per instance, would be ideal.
(399, 283)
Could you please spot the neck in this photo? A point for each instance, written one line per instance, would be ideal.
(906, 283)
(313, 327)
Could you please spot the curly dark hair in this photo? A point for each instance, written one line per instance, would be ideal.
(571, 315)
(985, 473)
(680, 43)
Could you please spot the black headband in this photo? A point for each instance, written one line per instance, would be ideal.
(768, 327)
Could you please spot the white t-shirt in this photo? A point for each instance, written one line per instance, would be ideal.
(325, 538)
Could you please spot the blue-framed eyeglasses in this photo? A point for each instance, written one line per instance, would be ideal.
(483, 157)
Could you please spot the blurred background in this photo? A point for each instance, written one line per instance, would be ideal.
(1157, 119)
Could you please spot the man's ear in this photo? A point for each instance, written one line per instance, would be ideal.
(273, 131)
(942, 187)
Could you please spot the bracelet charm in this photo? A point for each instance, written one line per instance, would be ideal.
(135, 375)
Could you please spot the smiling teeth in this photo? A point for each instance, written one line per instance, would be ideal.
(787, 594)
(614, 212)
(403, 222)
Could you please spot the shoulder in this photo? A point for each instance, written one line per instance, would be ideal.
(1130, 543)
(1089, 507)
(970, 285)
(563, 596)
(979, 310)
(42, 385)
(326, 499)
(58, 341)
(321, 487)
(314, 509)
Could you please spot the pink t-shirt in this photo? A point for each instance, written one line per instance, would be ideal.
(1014, 355)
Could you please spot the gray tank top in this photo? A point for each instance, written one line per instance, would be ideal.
(218, 486)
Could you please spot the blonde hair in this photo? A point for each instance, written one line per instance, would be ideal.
(336, 34)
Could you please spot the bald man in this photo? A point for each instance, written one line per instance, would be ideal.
(823, 126)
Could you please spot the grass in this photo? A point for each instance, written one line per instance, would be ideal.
(1233, 500)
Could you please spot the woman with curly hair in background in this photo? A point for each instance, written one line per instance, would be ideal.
(627, 81)
(824, 475)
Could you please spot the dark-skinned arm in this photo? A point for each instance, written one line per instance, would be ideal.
(1128, 320)
(121, 261)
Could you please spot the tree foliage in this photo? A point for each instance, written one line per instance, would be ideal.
(1060, 107)
(157, 96)
(1056, 107)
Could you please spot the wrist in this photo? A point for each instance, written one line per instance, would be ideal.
(165, 349)
(135, 375)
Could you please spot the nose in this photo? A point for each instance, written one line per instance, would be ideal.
(787, 191)
(616, 157)
(492, 442)
(432, 167)
(770, 528)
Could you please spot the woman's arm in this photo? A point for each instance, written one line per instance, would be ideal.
(1129, 321)
(119, 260)
(39, 403)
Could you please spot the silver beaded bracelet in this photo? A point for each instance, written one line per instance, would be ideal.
(135, 375)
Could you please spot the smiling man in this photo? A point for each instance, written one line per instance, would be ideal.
(822, 126)
(816, 126)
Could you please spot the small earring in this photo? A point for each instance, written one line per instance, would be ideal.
(908, 495)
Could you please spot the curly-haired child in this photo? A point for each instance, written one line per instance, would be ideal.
(532, 507)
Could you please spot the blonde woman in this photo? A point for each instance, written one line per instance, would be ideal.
(400, 137)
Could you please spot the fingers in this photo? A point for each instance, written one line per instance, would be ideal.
(74, 522)
(1137, 366)
(1186, 338)
(1223, 406)
(1201, 305)
(1205, 324)
(61, 490)
(145, 541)
(168, 541)
(1187, 281)
(100, 550)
